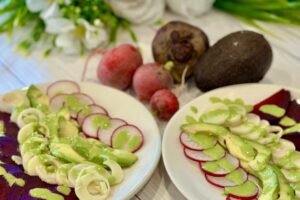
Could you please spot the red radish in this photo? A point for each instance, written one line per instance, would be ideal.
(150, 78)
(250, 197)
(84, 98)
(105, 135)
(222, 181)
(62, 87)
(222, 172)
(127, 137)
(198, 156)
(90, 124)
(118, 66)
(94, 109)
(164, 103)
(190, 144)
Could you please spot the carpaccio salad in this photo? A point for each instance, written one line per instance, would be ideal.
(62, 145)
(250, 152)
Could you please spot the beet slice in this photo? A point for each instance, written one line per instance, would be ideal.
(4, 188)
(8, 148)
(293, 111)
(293, 137)
(11, 129)
(12, 169)
(281, 98)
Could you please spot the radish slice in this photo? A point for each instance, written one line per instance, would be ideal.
(105, 135)
(199, 156)
(94, 109)
(93, 122)
(224, 181)
(190, 144)
(127, 137)
(84, 98)
(62, 87)
(57, 102)
(251, 196)
(221, 170)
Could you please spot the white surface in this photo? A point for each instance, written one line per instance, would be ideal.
(17, 70)
(186, 174)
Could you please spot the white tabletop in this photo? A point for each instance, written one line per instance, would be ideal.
(17, 70)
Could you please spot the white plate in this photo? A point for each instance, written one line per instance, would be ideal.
(120, 104)
(186, 174)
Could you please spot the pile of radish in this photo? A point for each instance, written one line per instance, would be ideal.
(107, 133)
(193, 151)
(122, 67)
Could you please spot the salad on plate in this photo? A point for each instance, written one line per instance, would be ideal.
(62, 145)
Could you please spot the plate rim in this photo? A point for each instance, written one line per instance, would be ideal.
(164, 146)
(158, 145)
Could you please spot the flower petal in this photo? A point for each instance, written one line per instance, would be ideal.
(37, 5)
(51, 12)
(59, 25)
(94, 36)
(69, 43)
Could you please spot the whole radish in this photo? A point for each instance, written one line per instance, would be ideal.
(118, 66)
(164, 103)
(150, 78)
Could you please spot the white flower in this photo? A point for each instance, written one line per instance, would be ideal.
(138, 11)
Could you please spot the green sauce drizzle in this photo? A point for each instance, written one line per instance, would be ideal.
(214, 166)
(64, 190)
(202, 139)
(101, 121)
(295, 128)
(236, 177)
(73, 104)
(286, 121)
(215, 152)
(246, 189)
(189, 119)
(11, 179)
(194, 109)
(45, 194)
(273, 110)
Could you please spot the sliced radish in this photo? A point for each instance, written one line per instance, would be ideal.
(127, 137)
(62, 87)
(221, 171)
(199, 156)
(105, 135)
(93, 122)
(190, 144)
(234, 193)
(57, 102)
(84, 98)
(94, 109)
(224, 181)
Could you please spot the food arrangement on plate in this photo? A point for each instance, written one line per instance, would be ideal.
(62, 144)
(250, 152)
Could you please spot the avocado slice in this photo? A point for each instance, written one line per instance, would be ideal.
(262, 157)
(37, 98)
(65, 152)
(286, 192)
(270, 183)
(239, 148)
(67, 129)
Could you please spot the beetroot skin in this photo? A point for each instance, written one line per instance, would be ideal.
(150, 78)
(118, 66)
(164, 103)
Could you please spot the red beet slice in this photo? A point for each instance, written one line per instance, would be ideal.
(11, 129)
(8, 148)
(4, 188)
(281, 98)
(295, 138)
(293, 110)
(12, 169)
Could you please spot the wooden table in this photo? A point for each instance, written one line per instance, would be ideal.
(17, 71)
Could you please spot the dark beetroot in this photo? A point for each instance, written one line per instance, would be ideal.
(293, 110)
(295, 138)
(281, 98)
(12, 169)
(8, 148)
(4, 188)
(11, 129)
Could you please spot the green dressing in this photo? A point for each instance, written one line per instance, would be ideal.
(17, 160)
(194, 109)
(273, 110)
(293, 129)
(292, 175)
(11, 179)
(101, 121)
(2, 131)
(226, 164)
(218, 116)
(63, 190)
(45, 194)
(73, 104)
(246, 189)
(211, 166)
(236, 177)
(215, 152)
(123, 138)
(286, 121)
(189, 119)
(134, 142)
(215, 166)
(202, 139)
